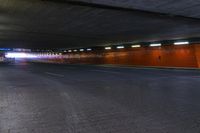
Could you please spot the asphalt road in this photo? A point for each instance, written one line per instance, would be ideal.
(39, 98)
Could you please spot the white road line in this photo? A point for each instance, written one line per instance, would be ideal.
(106, 71)
(70, 67)
(54, 74)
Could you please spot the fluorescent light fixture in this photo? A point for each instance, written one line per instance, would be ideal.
(75, 50)
(155, 44)
(81, 50)
(181, 43)
(69, 51)
(20, 55)
(108, 48)
(120, 47)
(5, 49)
(136, 46)
(89, 49)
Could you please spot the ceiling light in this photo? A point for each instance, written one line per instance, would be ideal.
(155, 44)
(108, 48)
(120, 47)
(181, 43)
(89, 49)
(136, 46)
(81, 50)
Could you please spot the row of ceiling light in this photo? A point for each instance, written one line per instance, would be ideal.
(151, 45)
(75, 50)
(133, 46)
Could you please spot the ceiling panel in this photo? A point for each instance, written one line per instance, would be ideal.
(188, 8)
(43, 23)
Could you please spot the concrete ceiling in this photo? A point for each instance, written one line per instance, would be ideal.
(68, 24)
(187, 8)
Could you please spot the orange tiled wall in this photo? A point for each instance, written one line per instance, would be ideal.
(165, 56)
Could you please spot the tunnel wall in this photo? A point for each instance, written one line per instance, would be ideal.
(165, 56)
(197, 54)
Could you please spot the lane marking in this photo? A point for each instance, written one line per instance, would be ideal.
(54, 74)
(106, 71)
(70, 67)
(157, 76)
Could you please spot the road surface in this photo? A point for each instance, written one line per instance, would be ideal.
(41, 98)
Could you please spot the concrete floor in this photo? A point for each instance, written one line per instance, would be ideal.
(91, 99)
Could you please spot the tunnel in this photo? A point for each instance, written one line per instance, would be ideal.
(99, 66)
